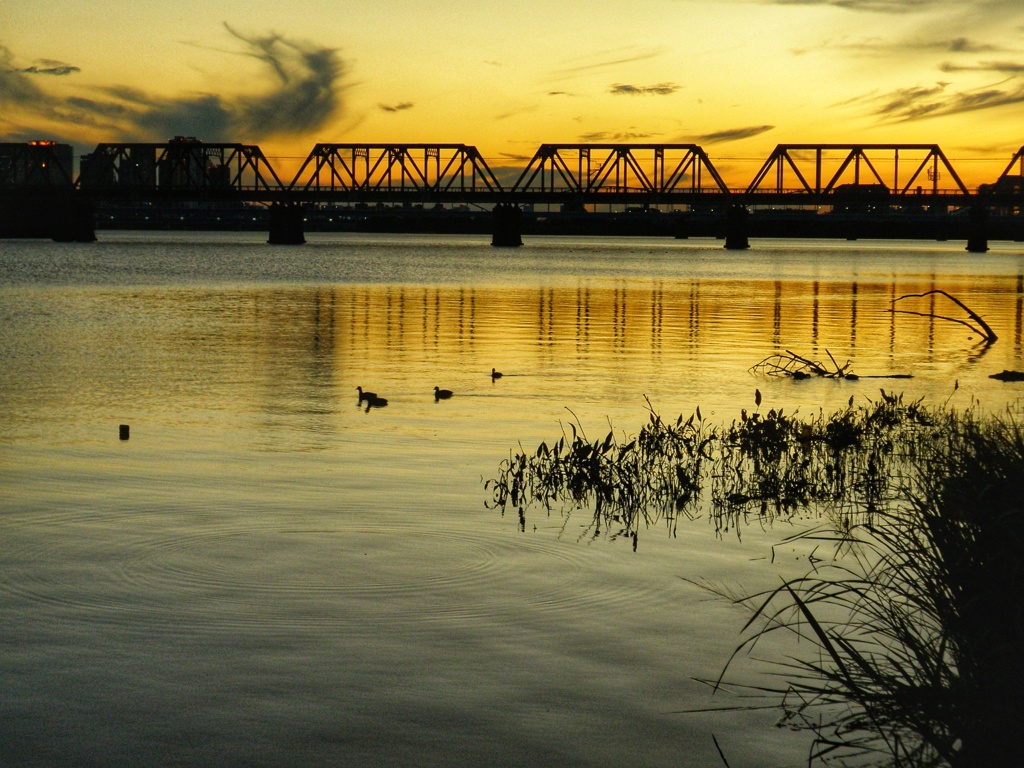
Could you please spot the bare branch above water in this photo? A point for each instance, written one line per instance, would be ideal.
(981, 328)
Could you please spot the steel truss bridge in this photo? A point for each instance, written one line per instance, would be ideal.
(889, 175)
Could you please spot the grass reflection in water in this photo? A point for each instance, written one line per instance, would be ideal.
(906, 641)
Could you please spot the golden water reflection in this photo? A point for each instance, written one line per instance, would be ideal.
(300, 351)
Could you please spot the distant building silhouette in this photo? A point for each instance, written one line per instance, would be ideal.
(37, 164)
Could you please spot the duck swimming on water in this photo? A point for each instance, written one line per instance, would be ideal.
(442, 394)
(495, 374)
(368, 396)
(376, 402)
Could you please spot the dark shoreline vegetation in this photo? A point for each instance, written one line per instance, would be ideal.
(910, 636)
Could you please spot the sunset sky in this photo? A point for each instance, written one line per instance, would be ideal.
(735, 76)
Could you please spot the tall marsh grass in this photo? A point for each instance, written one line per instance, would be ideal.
(911, 647)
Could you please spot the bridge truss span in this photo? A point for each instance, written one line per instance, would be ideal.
(418, 170)
(821, 170)
(847, 177)
(181, 167)
(660, 172)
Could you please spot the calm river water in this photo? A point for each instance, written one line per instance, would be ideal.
(266, 574)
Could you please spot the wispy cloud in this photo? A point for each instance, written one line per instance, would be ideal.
(16, 87)
(109, 109)
(960, 39)
(874, 47)
(303, 82)
(626, 89)
(307, 92)
(917, 103)
(606, 60)
(516, 111)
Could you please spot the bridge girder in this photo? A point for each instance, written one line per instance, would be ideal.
(852, 164)
(394, 168)
(590, 170)
(1018, 161)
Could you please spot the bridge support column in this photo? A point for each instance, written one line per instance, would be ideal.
(72, 219)
(681, 229)
(977, 230)
(736, 228)
(508, 226)
(286, 224)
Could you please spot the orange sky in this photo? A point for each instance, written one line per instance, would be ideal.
(735, 76)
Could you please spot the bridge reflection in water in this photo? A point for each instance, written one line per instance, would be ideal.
(682, 343)
(635, 317)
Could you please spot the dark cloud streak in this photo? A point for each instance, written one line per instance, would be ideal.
(51, 68)
(956, 45)
(661, 89)
(733, 134)
(998, 67)
(874, 6)
(606, 137)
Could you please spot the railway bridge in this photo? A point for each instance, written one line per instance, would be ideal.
(853, 180)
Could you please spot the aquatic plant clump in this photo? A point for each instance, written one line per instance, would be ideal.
(762, 465)
(908, 643)
(655, 475)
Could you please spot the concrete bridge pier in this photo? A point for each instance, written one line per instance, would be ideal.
(65, 216)
(286, 222)
(72, 219)
(977, 230)
(681, 227)
(736, 228)
(508, 226)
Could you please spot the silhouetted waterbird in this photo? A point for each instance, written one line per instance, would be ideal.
(495, 374)
(366, 395)
(442, 394)
(375, 402)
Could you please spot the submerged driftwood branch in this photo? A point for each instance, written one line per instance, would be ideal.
(791, 364)
(798, 367)
(982, 328)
